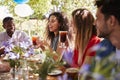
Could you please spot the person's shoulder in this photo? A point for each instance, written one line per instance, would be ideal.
(106, 42)
(2, 33)
(106, 48)
(95, 38)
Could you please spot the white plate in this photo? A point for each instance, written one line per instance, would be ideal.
(55, 72)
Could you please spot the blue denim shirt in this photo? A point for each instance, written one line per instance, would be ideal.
(109, 48)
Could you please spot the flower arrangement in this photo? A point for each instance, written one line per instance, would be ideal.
(16, 50)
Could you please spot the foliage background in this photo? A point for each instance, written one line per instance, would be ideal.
(36, 22)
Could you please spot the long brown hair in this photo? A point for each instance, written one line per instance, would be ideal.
(63, 25)
(83, 23)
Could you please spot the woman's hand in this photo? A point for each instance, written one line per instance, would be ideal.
(40, 43)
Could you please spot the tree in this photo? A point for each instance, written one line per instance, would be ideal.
(43, 7)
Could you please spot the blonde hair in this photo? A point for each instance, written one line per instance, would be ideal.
(83, 23)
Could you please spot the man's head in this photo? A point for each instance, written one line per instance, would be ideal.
(8, 25)
(108, 17)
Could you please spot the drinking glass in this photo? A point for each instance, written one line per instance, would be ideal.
(62, 38)
(34, 39)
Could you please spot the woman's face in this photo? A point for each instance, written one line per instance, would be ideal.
(53, 24)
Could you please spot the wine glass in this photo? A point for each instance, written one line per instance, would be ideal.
(62, 38)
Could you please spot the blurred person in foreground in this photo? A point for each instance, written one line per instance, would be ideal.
(9, 33)
(107, 60)
(108, 26)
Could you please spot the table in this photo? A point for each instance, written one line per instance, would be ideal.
(7, 76)
(64, 76)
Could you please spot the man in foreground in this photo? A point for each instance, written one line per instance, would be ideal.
(108, 26)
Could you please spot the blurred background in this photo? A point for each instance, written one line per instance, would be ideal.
(31, 15)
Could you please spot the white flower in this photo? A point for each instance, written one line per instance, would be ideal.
(12, 55)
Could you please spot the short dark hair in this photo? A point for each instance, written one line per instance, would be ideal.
(6, 19)
(109, 7)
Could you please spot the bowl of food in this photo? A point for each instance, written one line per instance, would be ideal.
(72, 71)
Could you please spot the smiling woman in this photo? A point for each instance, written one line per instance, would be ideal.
(56, 23)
